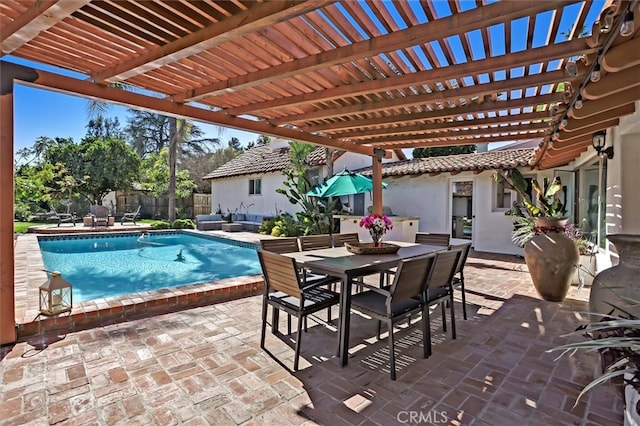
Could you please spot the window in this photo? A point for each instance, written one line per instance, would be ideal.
(255, 186)
(504, 196)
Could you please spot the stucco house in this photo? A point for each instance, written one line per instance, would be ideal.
(247, 183)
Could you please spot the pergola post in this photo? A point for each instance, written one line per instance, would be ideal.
(376, 170)
(7, 302)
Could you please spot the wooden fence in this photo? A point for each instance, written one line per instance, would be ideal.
(157, 208)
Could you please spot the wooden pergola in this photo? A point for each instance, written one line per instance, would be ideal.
(362, 76)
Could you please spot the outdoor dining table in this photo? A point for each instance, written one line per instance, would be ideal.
(347, 266)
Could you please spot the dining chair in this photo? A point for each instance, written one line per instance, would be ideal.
(280, 245)
(340, 239)
(285, 290)
(315, 242)
(439, 291)
(403, 298)
(458, 276)
(290, 245)
(433, 238)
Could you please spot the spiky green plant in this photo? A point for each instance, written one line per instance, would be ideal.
(547, 203)
(617, 339)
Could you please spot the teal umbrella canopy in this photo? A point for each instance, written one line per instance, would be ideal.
(343, 183)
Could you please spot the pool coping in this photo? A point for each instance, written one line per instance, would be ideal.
(29, 275)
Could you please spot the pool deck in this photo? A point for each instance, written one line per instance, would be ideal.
(29, 275)
(204, 365)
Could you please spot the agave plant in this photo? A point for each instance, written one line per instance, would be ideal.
(547, 203)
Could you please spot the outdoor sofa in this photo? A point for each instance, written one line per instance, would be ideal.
(250, 222)
(209, 222)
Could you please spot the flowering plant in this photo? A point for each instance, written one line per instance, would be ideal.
(377, 225)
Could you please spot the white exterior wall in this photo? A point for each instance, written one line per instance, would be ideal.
(623, 176)
(232, 192)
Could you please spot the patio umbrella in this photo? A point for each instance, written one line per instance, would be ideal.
(343, 183)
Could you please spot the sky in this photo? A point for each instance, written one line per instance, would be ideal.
(39, 112)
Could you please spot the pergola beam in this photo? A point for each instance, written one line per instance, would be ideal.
(482, 132)
(41, 16)
(448, 125)
(256, 18)
(430, 98)
(441, 28)
(457, 71)
(533, 101)
(90, 90)
(463, 141)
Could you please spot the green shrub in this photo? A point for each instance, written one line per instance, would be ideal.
(286, 226)
(267, 226)
(161, 225)
(183, 224)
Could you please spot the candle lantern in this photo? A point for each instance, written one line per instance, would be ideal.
(55, 295)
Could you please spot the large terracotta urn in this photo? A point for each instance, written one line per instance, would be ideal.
(552, 258)
(620, 284)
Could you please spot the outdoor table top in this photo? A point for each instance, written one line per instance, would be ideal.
(339, 262)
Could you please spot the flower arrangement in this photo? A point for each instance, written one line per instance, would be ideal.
(377, 225)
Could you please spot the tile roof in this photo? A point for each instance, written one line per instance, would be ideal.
(263, 159)
(457, 163)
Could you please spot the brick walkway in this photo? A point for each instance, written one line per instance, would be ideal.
(204, 366)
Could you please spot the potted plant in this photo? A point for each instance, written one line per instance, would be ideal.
(550, 255)
(617, 339)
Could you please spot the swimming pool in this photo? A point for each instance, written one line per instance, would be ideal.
(100, 266)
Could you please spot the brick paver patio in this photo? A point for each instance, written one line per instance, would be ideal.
(204, 366)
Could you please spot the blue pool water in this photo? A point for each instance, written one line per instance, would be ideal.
(103, 266)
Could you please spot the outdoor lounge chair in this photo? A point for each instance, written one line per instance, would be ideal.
(404, 298)
(130, 216)
(63, 217)
(99, 216)
(284, 290)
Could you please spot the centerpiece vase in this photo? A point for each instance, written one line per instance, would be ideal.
(618, 285)
(551, 258)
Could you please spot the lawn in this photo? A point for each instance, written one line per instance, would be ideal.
(23, 227)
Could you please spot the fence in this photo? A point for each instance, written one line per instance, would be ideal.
(158, 208)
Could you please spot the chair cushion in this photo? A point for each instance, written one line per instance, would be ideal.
(435, 294)
(314, 299)
(375, 302)
(238, 217)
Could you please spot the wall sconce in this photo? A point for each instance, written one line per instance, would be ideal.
(599, 141)
(55, 295)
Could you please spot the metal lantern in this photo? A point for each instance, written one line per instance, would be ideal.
(55, 295)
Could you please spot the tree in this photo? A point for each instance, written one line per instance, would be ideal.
(316, 214)
(92, 169)
(234, 144)
(441, 151)
(105, 128)
(155, 176)
(150, 133)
